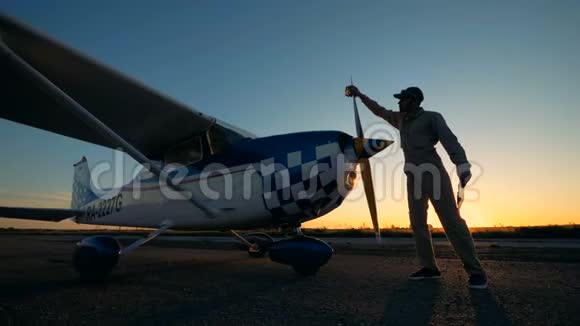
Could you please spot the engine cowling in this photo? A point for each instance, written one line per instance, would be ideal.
(95, 257)
(305, 254)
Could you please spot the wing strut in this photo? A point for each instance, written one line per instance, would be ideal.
(92, 121)
(127, 250)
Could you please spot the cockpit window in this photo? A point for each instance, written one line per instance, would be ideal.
(220, 138)
(185, 153)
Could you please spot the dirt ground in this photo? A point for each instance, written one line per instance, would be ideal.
(199, 284)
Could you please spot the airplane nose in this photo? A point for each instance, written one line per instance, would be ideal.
(367, 147)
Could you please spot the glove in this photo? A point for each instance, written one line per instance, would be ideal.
(464, 178)
(464, 173)
(351, 91)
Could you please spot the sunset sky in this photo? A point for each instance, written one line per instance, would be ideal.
(504, 74)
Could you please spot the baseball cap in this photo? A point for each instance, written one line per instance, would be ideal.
(412, 91)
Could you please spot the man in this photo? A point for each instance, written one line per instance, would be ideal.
(427, 180)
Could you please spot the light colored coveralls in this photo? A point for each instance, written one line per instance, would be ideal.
(427, 180)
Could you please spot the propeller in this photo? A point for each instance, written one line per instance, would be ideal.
(364, 149)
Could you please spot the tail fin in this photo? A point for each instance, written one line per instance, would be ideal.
(82, 192)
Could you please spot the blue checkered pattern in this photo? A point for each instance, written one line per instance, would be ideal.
(297, 188)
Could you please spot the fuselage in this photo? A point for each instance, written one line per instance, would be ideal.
(261, 182)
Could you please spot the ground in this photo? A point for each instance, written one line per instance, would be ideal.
(201, 283)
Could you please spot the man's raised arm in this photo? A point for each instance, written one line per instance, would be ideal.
(393, 118)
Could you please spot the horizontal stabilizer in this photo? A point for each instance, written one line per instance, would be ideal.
(39, 214)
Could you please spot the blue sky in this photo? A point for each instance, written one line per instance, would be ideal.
(505, 74)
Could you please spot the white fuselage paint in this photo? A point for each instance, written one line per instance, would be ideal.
(152, 204)
(149, 206)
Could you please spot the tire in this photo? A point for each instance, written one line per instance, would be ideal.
(91, 266)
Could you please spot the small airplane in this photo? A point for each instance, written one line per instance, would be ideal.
(218, 177)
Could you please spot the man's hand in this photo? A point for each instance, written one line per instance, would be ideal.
(464, 173)
(351, 91)
(464, 178)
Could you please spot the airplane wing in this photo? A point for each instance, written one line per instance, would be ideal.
(149, 121)
(39, 214)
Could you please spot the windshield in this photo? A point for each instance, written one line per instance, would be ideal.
(221, 137)
(185, 153)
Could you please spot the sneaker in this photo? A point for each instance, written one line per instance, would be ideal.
(478, 281)
(425, 273)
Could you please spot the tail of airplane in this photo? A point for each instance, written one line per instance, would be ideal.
(82, 192)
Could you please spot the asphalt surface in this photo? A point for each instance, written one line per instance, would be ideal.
(205, 282)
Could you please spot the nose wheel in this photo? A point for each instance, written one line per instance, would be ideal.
(303, 253)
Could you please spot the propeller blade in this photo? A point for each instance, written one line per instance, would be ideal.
(359, 131)
(364, 147)
(370, 194)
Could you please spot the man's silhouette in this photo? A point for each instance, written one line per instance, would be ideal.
(427, 180)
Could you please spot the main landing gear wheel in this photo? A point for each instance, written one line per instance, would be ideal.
(95, 257)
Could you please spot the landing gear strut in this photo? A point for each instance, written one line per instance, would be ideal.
(95, 257)
(299, 231)
(257, 244)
